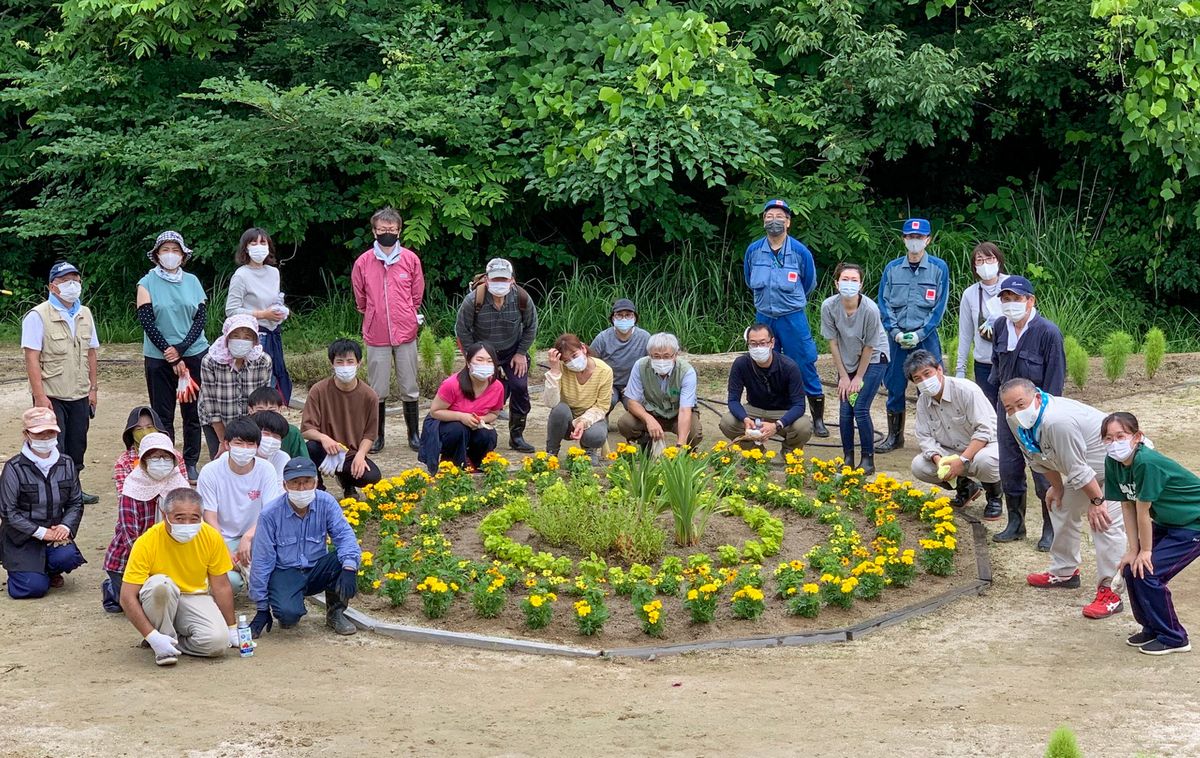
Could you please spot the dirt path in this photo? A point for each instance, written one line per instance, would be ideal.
(989, 676)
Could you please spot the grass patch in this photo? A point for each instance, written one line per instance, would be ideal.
(581, 516)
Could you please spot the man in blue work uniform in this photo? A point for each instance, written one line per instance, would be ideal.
(912, 300)
(1027, 346)
(779, 270)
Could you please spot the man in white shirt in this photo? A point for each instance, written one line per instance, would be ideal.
(274, 428)
(233, 489)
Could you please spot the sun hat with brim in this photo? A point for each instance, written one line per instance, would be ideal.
(139, 485)
(166, 237)
(38, 420)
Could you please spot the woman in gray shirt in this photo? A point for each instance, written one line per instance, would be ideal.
(977, 313)
(254, 290)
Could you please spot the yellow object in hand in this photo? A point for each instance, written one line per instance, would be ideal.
(944, 468)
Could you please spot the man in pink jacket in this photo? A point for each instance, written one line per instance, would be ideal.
(389, 286)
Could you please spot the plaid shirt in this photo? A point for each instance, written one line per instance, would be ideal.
(225, 392)
(133, 516)
(502, 329)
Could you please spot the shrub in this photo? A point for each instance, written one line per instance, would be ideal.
(1153, 350)
(1063, 744)
(686, 495)
(1077, 361)
(1116, 350)
(582, 517)
(447, 350)
(428, 376)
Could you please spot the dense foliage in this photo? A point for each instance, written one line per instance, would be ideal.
(560, 133)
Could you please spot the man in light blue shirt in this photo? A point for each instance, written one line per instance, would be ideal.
(290, 561)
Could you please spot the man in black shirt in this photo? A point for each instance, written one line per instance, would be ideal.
(774, 390)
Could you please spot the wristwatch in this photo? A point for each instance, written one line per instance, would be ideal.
(1097, 501)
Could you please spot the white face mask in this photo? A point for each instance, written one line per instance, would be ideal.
(914, 245)
(1027, 417)
(987, 271)
(169, 261)
(268, 446)
(662, 366)
(239, 348)
(302, 498)
(624, 325)
(577, 364)
(258, 253)
(242, 455)
(43, 446)
(69, 291)
(345, 373)
(1120, 450)
(483, 371)
(184, 533)
(1013, 311)
(760, 354)
(849, 289)
(499, 289)
(930, 385)
(160, 468)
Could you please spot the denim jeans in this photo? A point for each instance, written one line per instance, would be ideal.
(860, 412)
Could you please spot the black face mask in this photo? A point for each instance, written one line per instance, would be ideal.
(775, 227)
(387, 239)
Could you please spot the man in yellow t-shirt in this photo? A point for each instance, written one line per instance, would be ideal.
(176, 592)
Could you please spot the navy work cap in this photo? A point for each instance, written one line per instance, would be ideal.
(1018, 285)
(298, 467)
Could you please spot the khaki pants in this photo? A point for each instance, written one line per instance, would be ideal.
(794, 436)
(1070, 519)
(379, 370)
(194, 620)
(634, 429)
(984, 467)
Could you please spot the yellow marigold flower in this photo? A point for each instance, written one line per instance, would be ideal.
(376, 584)
(791, 590)
(826, 578)
(810, 589)
(950, 542)
(692, 595)
(652, 617)
(583, 608)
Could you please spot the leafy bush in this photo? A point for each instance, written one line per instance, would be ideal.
(1153, 350)
(1063, 744)
(595, 523)
(1077, 361)
(1116, 350)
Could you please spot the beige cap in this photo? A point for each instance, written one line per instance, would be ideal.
(39, 420)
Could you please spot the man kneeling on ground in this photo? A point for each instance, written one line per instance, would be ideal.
(775, 396)
(290, 559)
(176, 591)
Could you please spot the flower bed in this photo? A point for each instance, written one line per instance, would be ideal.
(818, 547)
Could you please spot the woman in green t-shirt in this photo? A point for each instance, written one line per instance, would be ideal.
(1161, 504)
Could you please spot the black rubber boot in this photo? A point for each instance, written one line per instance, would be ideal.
(895, 436)
(412, 421)
(1047, 539)
(516, 434)
(816, 404)
(1016, 520)
(966, 491)
(994, 508)
(848, 458)
(378, 445)
(867, 464)
(335, 614)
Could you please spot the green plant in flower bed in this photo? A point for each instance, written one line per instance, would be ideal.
(871, 576)
(590, 611)
(395, 586)
(686, 494)
(806, 601)
(788, 578)
(595, 522)
(838, 591)
(728, 555)
(703, 590)
(436, 596)
(489, 595)
(747, 602)
(670, 576)
(538, 607)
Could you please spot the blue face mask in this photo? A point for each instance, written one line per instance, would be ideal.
(624, 324)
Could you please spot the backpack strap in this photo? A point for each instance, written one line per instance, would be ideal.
(481, 295)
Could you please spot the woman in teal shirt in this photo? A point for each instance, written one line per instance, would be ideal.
(1161, 504)
(171, 307)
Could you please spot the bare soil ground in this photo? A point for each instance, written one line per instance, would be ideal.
(987, 676)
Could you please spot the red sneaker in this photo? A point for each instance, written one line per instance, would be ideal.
(1046, 580)
(1106, 604)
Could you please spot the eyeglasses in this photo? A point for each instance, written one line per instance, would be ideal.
(759, 344)
(388, 230)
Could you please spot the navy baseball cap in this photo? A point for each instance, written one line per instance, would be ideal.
(61, 269)
(298, 467)
(916, 226)
(624, 304)
(1018, 285)
(780, 204)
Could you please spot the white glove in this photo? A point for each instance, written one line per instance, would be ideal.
(333, 463)
(233, 637)
(420, 319)
(162, 644)
(900, 339)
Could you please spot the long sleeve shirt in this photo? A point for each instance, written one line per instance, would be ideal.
(509, 330)
(980, 304)
(948, 425)
(32, 501)
(1070, 441)
(588, 402)
(782, 280)
(253, 289)
(285, 539)
(225, 389)
(913, 298)
(1036, 354)
(778, 387)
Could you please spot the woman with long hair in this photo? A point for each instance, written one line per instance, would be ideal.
(465, 407)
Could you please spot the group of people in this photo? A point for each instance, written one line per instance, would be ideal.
(257, 518)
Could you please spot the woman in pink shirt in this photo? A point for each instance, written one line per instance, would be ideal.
(465, 406)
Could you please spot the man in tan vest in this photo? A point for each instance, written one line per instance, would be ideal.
(59, 340)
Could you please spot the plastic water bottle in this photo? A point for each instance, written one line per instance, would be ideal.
(245, 638)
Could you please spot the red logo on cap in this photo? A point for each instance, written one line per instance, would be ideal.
(915, 225)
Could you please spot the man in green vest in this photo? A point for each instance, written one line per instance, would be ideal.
(661, 396)
(59, 341)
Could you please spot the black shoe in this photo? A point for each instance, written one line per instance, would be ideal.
(966, 491)
(1141, 638)
(516, 434)
(848, 459)
(867, 464)
(377, 446)
(90, 499)
(192, 473)
(993, 509)
(895, 436)
(412, 422)
(1016, 520)
(1047, 538)
(335, 614)
(1154, 647)
(817, 404)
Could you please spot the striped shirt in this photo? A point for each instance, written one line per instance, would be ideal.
(507, 330)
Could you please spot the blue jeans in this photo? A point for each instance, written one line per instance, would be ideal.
(793, 338)
(861, 412)
(462, 445)
(1172, 550)
(896, 381)
(272, 345)
(983, 372)
(287, 587)
(30, 585)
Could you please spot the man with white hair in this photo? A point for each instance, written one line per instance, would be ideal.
(1061, 438)
(661, 396)
(176, 592)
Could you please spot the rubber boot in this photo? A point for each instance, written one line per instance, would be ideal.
(412, 421)
(966, 491)
(378, 445)
(867, 464)
(816, 403)
(335, 614)
(895, 436)
(848, 458)
(1047, 539)
(994, 508)
(516, 434)
(1016, 520)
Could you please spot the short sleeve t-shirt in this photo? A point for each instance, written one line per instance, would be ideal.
(175, 305)
(853, 332)
(620, 356)
(189, 564)
(237, 499)
(1172, 491)
(491, 400)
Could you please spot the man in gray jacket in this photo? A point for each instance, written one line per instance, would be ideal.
(1061, 439)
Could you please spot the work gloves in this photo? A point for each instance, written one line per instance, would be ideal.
(346, 585)
(907, 340)
(261, 621)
